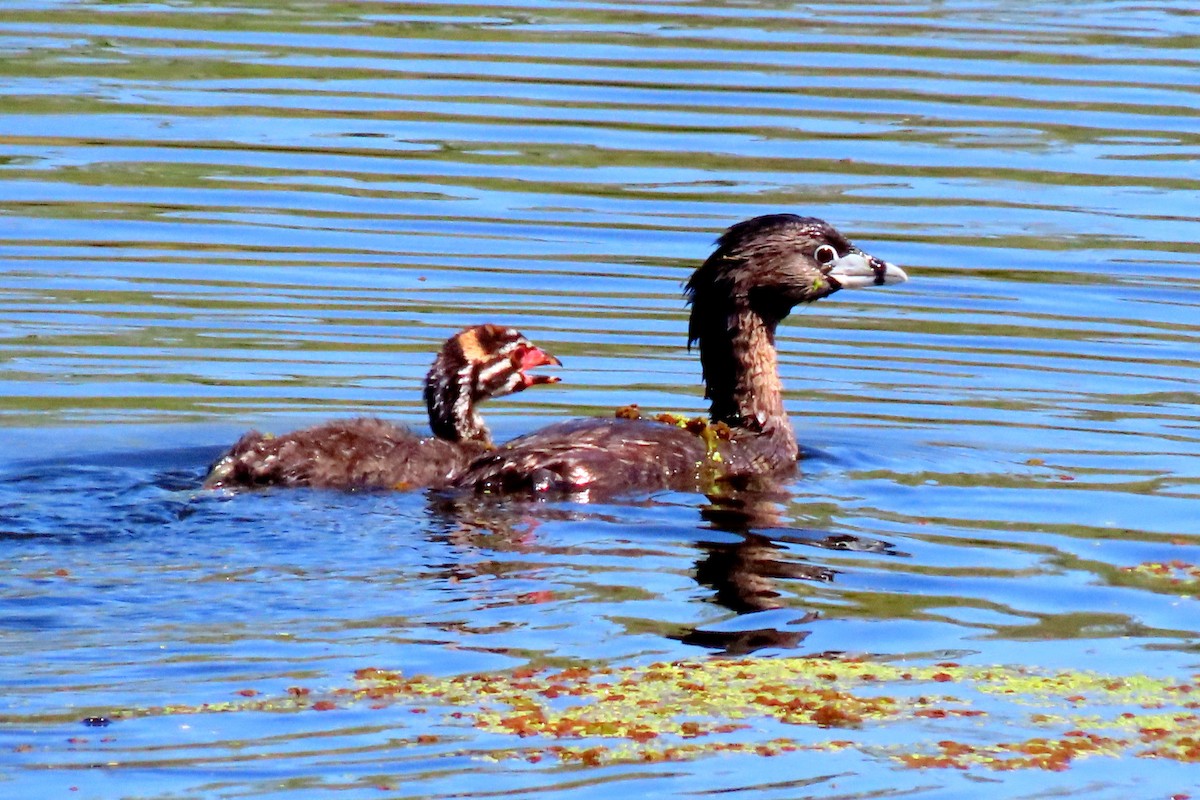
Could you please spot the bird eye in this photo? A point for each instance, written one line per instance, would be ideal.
(825, 254)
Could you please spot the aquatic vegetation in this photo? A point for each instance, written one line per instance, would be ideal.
(943, 715)
(1175, 577)
(710, 432)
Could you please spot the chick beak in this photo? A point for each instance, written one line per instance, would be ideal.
(536, 357)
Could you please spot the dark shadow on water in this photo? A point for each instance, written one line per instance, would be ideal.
(745, 570)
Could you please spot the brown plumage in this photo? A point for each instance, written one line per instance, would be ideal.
(476, 364)
(760, 270)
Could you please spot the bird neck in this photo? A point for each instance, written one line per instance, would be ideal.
(451, 405)
(741, 372)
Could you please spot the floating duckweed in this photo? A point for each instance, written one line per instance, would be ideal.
(1173, 577)
(711, 432)
(588, 716)
(630, 411)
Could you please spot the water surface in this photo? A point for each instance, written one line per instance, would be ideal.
(217, 217)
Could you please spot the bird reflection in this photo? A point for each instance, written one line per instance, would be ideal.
(745, 574)
(747, 561)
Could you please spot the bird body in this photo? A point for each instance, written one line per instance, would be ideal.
(473, 365)
(346, 454)
(760, 270)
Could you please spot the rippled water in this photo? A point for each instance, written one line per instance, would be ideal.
(216, 217)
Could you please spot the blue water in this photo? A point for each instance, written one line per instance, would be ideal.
(216, 217)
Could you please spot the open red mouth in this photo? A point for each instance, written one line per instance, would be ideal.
(532, 357)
